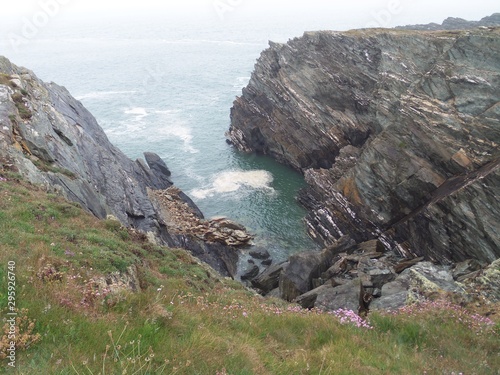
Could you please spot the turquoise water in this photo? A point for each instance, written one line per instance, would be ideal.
(169, 90)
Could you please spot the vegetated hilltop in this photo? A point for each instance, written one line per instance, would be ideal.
(397, 133)
(95, 297)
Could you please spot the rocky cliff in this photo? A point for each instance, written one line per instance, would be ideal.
(397, 133)
(453, 23)
(52, 140)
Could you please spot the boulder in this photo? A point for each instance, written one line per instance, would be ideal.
(157, 164)
(259, 254)
(330, 298)
(267, 262)
(418, 283)
(376, 271)
(269, 279)
(296, 278)
(463, 269)
(250, 273)
(303, 268)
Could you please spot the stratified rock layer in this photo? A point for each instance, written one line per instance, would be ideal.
(397, 133)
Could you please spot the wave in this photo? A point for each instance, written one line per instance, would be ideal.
(103, 94)
(138, 112)
(232, 181)
(240, 83)
(175, 127)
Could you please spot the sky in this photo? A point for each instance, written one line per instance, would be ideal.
(357, 13)
(24, 21)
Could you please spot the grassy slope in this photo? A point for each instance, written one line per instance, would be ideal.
(186, 320)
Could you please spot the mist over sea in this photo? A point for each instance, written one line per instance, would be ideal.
(167, 87)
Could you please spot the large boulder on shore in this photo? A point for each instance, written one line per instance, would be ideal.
(302, 268)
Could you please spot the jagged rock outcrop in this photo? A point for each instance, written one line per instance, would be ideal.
(453, 23)
(397, 133)
(52, 140)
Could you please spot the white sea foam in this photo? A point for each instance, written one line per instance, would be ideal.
(232, 181)
(173, 126)
(103, 94)
(240, 82)
(138, 112)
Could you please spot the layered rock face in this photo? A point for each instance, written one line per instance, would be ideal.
(397, 133)
(52, 140)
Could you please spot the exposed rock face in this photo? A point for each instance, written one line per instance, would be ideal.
(181, 218)
(52, 140)
(397, 133)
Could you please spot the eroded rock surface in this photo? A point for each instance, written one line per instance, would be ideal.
(397, 133)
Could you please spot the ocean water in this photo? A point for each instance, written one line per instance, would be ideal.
(168, 88)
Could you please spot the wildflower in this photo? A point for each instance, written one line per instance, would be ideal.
(350, 317)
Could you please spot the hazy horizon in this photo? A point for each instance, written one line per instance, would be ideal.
(311, 14)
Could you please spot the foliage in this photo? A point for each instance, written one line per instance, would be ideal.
(74, 276)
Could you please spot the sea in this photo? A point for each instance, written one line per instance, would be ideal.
(166, 85)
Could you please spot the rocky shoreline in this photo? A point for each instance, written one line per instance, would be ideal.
(396, 133)
(367, 276)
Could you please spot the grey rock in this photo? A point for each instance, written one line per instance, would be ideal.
(269, 279)
(306, 270)
(159, 169)
(331, 298)
(396, 133)
(453, 23)
(275, 293)
(250, 273)
(377, 272)
(260, 254)
(297, 277)
(488, 282)
(267, 262)
(465, 268)
(417, 284)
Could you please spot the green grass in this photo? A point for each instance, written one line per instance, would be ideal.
(49, 167)
(184, 319)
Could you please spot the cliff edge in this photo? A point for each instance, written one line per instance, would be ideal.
(50, 139)
(396, 131)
